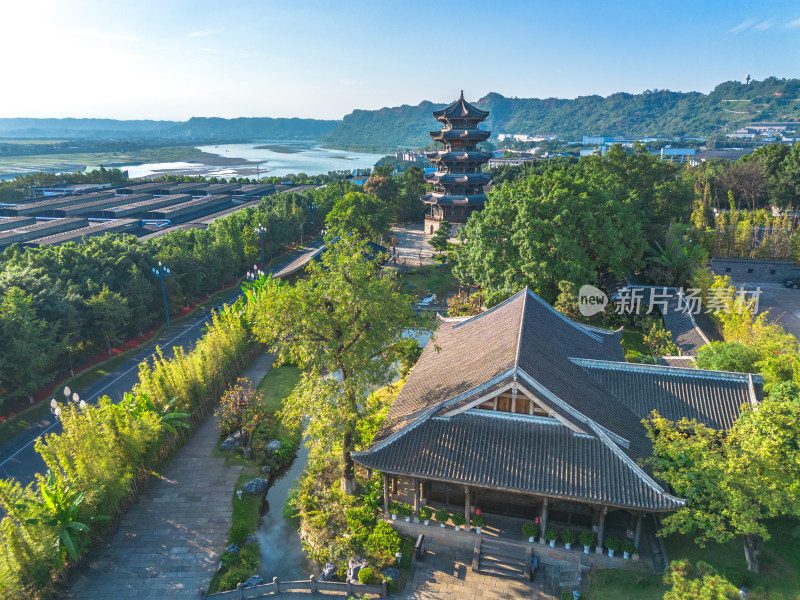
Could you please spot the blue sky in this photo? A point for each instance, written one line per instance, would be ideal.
(174, 59)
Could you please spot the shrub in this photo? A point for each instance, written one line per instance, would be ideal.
(366, 575)
(238, 533)
(406, 510)
(383, 543)
(530, 529)
(359, 516)
(425, 513)
(395, 507)
(479, 521)
(459, 519)
(612, 543)
(551, 534)
(628, 546)
(568, 536)
(233, 577)
(442, 515)
(586, 538)
(250, 556)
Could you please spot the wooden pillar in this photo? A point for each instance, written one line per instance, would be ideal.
(466, 507)
(394, 485)
(543, 522)
(385, 495)
(416, 500)
(600, 527)
(424, 491)
(638, 535)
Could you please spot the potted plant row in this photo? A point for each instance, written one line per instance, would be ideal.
(394, 509)
(551, 535)
(406, 511)
(568, 537)
(613, 545)
(529, 530)
(442, 515)
(425, 514)
(479, 521)
(587, 541)
(628, 548)
(459, 520)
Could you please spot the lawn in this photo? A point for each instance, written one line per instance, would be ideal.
(431, 279)
(633, 341)
(779, 578)
(277, 384)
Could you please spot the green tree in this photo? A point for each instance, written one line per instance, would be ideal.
(701, 583)
(240, 410)
(439, 240)
(28, 346)
(732, 481)
(342, 325)
(567, 301)
(659, 341)
(109, 312)
(728, 356)
(677, 262)
(359, 213)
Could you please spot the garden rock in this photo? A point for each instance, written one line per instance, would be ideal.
(391, 573)
(274, 445)
(233, 549)
(328, 572)
(354, 565)
(252, 582)
(256, 486)
(232, 441)
(250, 539)
(266, 469)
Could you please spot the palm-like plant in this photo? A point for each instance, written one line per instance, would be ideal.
(678, 261)
(59, 508)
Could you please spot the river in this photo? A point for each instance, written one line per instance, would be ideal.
(261, 159)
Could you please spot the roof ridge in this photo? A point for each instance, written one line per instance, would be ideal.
(644, 477)
(664, 369)
(519, 337)
(577, 326)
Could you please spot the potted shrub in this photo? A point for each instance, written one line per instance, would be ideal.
(459, 520)
(587, 540)
(529, 530)
(479, 521)
(406, 511)
(442, 515)
(568, 537)
(612, 544)
(551, 535)
(627, 549)
(425, 514)
(394, 509)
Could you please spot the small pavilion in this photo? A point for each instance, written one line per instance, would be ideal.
(521, 412)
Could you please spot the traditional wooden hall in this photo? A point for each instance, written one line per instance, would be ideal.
(521, 412)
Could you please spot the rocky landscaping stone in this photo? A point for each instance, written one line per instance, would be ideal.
(250, 539)
(328, 572)
(252, 582)
(274, 445)
(391, 573)
(256, 486)
(266, 469)
(232, 441)
(354, 565)
(233, 549)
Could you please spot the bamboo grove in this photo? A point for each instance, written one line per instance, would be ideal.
(105, 452)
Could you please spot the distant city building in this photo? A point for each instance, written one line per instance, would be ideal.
(73, 189)
(677, 154)
(519, 158)
(524, 137)
(415, 156)
(458, 183)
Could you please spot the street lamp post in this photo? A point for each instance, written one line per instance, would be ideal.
(301, 231)
(162, 273)
(261, 230)
(255, 273)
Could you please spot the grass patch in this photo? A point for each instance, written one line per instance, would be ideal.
(779, 565)
(431, 279)
(631, 584)
(633, 341)
(277, 385)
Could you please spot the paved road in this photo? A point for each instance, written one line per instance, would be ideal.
(782, 303)
(18, 458)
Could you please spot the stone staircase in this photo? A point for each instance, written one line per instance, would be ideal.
(502, 559)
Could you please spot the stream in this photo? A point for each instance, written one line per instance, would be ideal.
(281, 552)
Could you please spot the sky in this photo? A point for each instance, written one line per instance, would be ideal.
(174, 59)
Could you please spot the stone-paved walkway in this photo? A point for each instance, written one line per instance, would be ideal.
(411, 240)
(168, 544)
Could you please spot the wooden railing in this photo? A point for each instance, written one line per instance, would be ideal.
(312, 586)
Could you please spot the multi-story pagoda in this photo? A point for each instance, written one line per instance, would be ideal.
(458, 183)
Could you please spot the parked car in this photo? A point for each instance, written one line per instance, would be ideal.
(791, 283)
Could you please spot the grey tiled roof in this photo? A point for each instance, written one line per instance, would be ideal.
(710, 397)
(519, 453)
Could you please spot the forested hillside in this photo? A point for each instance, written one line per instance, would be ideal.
(652, 113)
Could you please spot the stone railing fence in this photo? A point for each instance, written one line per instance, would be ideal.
(312, 586)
